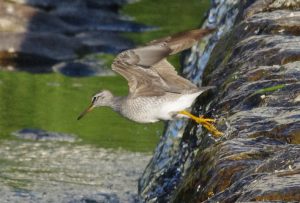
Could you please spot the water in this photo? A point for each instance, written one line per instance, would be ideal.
(64, 172)
(91, 166)
(52, 102)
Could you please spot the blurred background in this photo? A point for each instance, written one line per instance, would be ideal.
(54, 55)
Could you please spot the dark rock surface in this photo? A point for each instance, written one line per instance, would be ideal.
(90, 19)
(52, 4)
(253, 59)
(48, 47)
(24, 18)
(42, 135)
(105, 41)
(35, 35)
(80, 69)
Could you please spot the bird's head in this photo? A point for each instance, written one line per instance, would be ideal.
(103, 98)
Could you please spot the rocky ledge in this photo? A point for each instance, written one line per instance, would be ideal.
(254, 60)
(42, 135)
(41, 36)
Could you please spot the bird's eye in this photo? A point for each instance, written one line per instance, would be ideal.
(94, 99)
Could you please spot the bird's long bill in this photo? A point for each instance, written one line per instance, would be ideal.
(90, 108)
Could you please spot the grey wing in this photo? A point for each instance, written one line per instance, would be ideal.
(145, 56)
(175, 82)
(145, 79)
(147, 70)
(159, 49)
(177, 43)
(135, 66)
(141, 82)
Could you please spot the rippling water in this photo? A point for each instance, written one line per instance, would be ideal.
(66, 172)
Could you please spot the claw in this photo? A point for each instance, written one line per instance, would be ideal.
(205, 122)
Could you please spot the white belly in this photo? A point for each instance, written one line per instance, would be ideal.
(182, 103)
(143, 111)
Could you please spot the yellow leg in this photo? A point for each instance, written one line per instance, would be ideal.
(206, 122)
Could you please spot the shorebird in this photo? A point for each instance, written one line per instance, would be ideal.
(156, 91)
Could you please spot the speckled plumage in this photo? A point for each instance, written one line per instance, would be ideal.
(155, 108)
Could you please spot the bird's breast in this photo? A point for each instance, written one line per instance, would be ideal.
(153, 109)
(141, 109)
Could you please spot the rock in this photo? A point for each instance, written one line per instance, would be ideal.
(34, 49)
(99, 198)
(104, 41)
(42, 135)
(52, 4)
(89, 65)
(81, 68)
(85, 18)
(97, 19)
(125, 26)
(253, 59)
(23, 18)
(244, 169)
(36, 35)
(270, 5)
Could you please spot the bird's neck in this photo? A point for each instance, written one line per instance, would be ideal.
(116, 103)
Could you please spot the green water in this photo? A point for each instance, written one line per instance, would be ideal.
(52, 102)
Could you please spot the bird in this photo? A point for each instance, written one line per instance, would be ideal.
(156, 91)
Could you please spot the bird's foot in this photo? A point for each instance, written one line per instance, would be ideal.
(206, 122)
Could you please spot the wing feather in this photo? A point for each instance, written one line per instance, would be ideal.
(175, 82)
(141, 82)
(149, 73)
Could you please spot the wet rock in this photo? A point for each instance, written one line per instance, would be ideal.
(254, 62)
(108, 42)
(248, 169)
(52, 4)
(125, 26)
(34, 49)
(270, 5)
(63, 19)
(107, 4)
(281, 22)
(23, 18)
(42, 135)
(99, 198)
(81, 69)
(38, 34)
(91, 19)
(86, 18)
